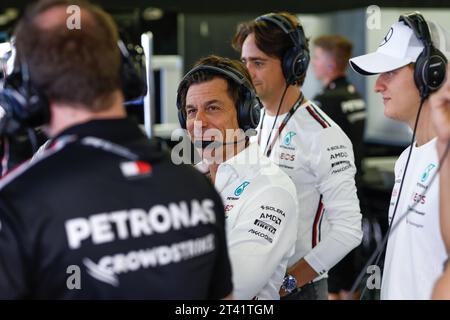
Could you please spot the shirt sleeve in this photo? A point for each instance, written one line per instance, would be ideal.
(12, 266)
(261, 239)
(333, 163)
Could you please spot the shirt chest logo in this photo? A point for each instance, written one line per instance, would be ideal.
(426, 172)
(240, 189)
(288, 138)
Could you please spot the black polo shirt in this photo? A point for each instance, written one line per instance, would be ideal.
(103, 214)
(342, 103)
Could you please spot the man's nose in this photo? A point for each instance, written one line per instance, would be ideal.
(380, 84)
(250, 69)
(201, 118)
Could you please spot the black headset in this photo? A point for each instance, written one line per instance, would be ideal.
(295, 60)
(132, 71)
(431, 65)
(248, 106)
(25, 107)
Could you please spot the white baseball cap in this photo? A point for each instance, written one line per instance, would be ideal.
(399, 48)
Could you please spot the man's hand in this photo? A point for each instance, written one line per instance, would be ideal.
(442, 288)
(440, 113)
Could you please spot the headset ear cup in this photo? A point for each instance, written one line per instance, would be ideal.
(181, 114)
(287, 66)
(429, 74)
(301, 63)
(435, 70)
(295, 64)
(10, 101)
(249, 111)
(255, 113)
(24, 105)
(37, 112)
(419, 71)
(243, 109)
(133, 84)
(243, 112)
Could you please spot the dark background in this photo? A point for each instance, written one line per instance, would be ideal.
(249, 6)
(218, 14)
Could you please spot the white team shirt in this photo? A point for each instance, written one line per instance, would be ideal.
(317, 155)
(261, 222)
(415, 251)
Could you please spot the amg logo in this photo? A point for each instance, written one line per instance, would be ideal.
(265, 226)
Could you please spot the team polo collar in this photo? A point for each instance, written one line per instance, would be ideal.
(114, 130)
(245, 164)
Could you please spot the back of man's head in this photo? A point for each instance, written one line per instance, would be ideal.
(337, 47)
(70, 63)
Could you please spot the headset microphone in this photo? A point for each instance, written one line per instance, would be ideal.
(214, 144)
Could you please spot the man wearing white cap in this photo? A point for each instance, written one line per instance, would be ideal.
(411, 64)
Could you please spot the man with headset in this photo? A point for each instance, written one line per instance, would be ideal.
(308, 146)
(219, 108)
(411, 64)
(98, 215)
(440, 113)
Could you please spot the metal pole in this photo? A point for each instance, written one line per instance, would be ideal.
(149, 99)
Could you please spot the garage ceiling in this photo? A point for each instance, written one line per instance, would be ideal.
(249, 6)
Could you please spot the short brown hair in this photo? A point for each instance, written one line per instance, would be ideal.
(269, 38)
(339, 47)
(75, 66)
(235, 90)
